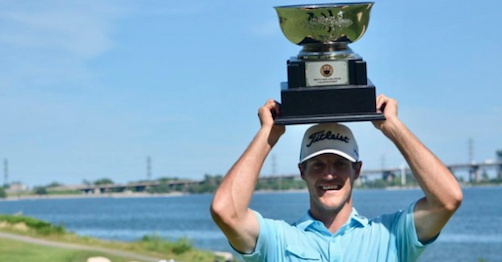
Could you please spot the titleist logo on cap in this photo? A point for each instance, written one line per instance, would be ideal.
(322, 135)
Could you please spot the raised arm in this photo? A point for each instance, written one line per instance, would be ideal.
(230, 206)
(443, 194)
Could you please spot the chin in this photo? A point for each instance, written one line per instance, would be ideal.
(334, 203)
(330, 205)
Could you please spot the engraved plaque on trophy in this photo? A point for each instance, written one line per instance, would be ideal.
(327, 81)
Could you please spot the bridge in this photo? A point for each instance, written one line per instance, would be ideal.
(135, 187)
(473, 169)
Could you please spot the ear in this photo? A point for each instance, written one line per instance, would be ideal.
(357, 169)
(300, 167)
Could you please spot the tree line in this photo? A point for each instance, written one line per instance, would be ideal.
(210, 183)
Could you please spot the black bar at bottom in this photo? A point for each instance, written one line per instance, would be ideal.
(324, 119)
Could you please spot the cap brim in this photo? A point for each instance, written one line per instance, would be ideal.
(328, 151)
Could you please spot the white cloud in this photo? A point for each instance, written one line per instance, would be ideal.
(49, 43)
(80, 28)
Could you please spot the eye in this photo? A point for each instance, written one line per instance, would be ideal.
(341, 163)
(318, 165)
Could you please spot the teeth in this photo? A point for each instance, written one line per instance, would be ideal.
(331, 187)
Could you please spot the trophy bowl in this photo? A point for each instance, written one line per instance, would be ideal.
(324, 24)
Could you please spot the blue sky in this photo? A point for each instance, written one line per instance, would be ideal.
(89, 89)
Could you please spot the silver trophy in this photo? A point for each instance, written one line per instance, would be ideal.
(327, 81)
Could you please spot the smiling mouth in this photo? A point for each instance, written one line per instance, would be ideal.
(331, 187)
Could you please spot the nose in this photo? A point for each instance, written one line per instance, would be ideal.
(330, 172)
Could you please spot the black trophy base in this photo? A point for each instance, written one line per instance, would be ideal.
(328, 104)
(311, 119)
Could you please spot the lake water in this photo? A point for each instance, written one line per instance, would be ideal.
(473, 234)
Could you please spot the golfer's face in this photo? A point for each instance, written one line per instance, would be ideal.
(329, 179)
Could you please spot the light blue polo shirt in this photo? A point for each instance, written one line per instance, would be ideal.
(390, 237)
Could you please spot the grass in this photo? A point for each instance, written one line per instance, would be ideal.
(17, 251)
(153, 245)
(38, 226)
(156, 243)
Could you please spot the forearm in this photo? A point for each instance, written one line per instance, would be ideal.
(442, 191)
(236, 189)
(441, 188)
(230, 206)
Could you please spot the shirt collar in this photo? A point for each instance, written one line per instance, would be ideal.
(354, 216)
(306, 220)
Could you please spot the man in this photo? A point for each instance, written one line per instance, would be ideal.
(332, 230)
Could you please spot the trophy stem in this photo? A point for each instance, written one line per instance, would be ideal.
(323, 51)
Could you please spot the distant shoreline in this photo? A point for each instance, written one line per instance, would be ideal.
(178, 194)
(104, 195)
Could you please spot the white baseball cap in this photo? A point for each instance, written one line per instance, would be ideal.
(329, 138)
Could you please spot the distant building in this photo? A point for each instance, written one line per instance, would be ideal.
(499, 160)
(388, 176)
(16, 188)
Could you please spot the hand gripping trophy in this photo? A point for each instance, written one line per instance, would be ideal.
(327, 81)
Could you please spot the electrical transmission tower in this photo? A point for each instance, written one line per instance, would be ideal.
(149, 168)
(6, 171)
(471, 150)
(473, 172)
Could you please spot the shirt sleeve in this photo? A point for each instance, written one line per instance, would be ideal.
(408, 245)
(269, 243)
